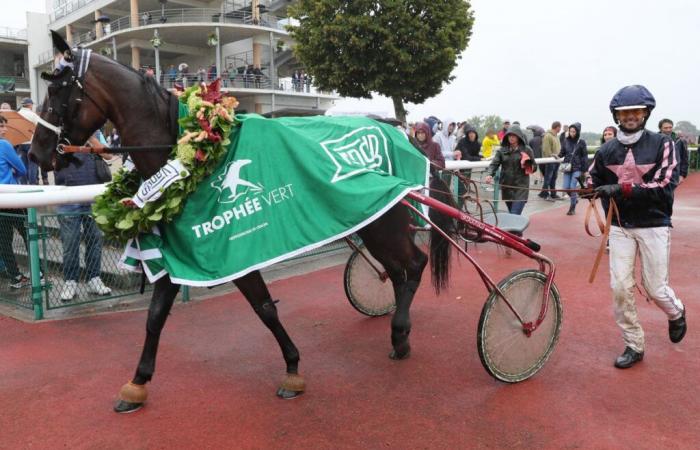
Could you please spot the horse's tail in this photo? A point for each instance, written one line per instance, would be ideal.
(439, 246)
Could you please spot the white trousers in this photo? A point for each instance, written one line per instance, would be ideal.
(654, 248)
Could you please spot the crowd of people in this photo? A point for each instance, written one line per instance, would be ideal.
(512, 153)
(635, 170)
(76, 223)
(247, 76)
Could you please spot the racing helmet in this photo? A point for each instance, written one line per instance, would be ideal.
(632, 97)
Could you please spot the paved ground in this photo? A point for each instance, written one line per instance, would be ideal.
(218, 368)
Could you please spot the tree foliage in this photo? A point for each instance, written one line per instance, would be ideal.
(484, 123)
(403, 49)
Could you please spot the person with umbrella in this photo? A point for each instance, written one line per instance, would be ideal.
(11, 167)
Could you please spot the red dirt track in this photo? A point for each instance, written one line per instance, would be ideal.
(219, 367)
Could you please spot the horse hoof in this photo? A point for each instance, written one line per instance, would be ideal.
(396, 356)
(123, 407)
(292, 386)
(286, 394)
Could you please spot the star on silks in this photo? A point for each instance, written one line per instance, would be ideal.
(630, 171)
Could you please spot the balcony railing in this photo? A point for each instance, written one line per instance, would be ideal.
(68, 7)
(13, 33)
(189, 15)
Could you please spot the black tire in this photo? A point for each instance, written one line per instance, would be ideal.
(505, 351)
(367, 293)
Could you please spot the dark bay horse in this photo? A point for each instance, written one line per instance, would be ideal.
(95, 89)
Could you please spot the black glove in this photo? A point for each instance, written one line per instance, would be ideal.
(609, 191)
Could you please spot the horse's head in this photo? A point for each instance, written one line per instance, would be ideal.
(65, 117)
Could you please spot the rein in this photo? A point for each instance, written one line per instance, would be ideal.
(65, 148)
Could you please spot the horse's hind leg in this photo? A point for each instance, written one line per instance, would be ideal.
(133, 394)
(255, 291)
(390, 241)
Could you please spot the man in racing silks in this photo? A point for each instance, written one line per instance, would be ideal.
(639, 170)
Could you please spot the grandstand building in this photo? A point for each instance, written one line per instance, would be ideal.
(183, 42)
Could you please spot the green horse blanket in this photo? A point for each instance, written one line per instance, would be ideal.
(285, 186)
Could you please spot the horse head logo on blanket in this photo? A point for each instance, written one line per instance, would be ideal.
(231, 180)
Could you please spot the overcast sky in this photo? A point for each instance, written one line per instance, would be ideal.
(542, 60)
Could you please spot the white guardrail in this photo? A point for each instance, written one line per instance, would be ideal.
(13, 196)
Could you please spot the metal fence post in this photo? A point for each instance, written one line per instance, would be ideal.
(35, 270)
(185, 294)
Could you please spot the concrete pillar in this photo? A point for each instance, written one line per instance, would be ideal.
(273, 71)
(135, 57)
(99, 32)
(259, 108)
(114, 48)
(218, 52)
(255, 9)
(134, 9)
(69, 34)
(257, 54)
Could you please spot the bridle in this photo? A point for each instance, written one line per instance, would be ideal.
(72, 92)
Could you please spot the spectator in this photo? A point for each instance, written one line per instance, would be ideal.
(5, 107)
(76, 222)
(212, 73)
(11, 167)
(429, 147)
(488, 143)
(469, 146)
(666, 128)
(33, 171)
(149, 71)
(536, 146)
(608, 134)
(550, 149)
(146, 18)
(172, 74)
(224, 77)
(201, 74)
(575, 154)
(517, 162)
(447, 141)
(257, 72)
(563, 134)
(232, 76)
(295, 80)
(504, 130)
(116, 139)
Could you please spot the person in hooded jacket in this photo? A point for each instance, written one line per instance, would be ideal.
(446, 138)
(469, 146)
(536, 146)
(516, 161)
(575, 152)
(429, 147)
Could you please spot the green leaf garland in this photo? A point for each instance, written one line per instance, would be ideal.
(200, 149)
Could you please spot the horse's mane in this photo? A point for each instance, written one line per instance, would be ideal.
(153, 90)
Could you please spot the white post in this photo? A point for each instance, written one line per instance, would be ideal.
(114, 48)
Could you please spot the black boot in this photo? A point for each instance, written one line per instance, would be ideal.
(628, 358)
(572, 211)
(677, 328)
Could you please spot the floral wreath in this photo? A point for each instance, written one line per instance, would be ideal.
(199, 150)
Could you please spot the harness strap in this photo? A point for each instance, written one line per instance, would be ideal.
(48, 125)
(604, 228)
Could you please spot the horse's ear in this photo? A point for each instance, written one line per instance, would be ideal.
(61, 45)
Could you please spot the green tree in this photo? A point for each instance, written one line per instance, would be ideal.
(484, 123)
(403, 49)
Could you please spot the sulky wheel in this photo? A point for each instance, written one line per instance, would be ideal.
(505, 351)
(367, 292)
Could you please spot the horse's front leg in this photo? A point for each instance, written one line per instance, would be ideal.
(133, 394)
(255, 291)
